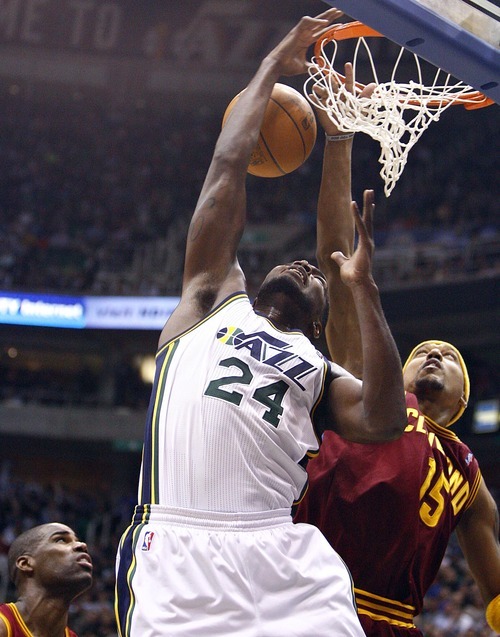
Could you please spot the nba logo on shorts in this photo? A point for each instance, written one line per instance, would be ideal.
(148, 539)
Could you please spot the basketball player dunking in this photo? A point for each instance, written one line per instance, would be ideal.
(237, 406)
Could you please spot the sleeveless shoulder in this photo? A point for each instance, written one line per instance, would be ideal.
(11, 618)
(15, 625)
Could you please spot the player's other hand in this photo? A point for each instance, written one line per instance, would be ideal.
(319, 97)
(357, 269)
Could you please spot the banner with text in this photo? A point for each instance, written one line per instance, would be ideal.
(115, 312)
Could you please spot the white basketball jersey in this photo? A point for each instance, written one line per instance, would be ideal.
(230, 416)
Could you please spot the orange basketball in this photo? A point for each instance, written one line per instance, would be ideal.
(287, 135)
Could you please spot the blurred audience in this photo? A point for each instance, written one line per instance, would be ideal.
(453, 605)
(97, 201)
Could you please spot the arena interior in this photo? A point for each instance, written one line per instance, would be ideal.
(109, 112)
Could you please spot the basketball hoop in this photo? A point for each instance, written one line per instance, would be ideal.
(381, 115)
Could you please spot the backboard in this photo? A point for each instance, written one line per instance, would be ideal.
(462, 37)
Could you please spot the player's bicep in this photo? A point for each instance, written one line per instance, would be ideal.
(216, 226)
(346, 408)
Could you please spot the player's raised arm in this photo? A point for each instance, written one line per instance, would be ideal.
(374, 409)
(335, 232)
(211, 269)
(477, 533)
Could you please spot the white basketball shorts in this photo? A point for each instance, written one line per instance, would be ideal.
(191, 573)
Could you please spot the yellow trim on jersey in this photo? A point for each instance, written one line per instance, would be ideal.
(384, 609)
(153, 469)
(383, 618)
(169, 349)
(129, 577)
(4, 619)
(302, 495)
(440, 430)
(233, 297)
(20, 620)
(312, 453)
(21, 623)
(474, 489)
(275, 327)
(444, 432)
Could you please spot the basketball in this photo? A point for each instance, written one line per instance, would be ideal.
(287, 135)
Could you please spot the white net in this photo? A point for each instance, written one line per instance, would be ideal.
(395, 114)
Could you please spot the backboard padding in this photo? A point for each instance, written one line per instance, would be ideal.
(435, 37)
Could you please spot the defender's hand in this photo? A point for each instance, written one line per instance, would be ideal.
(357, 269)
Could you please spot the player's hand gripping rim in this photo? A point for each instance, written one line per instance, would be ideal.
(291, 52)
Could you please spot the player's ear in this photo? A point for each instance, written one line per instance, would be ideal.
(24, 563)
(317, 329)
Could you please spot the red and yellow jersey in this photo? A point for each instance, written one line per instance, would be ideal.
(16, 627)
(389, 510)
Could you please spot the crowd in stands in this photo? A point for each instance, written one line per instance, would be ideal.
(96, 200)
(120, 387)
(453, 605)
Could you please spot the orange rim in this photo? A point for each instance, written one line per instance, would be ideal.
(350, 30)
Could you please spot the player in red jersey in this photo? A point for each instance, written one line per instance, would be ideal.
(50, 568)
(398, 502)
